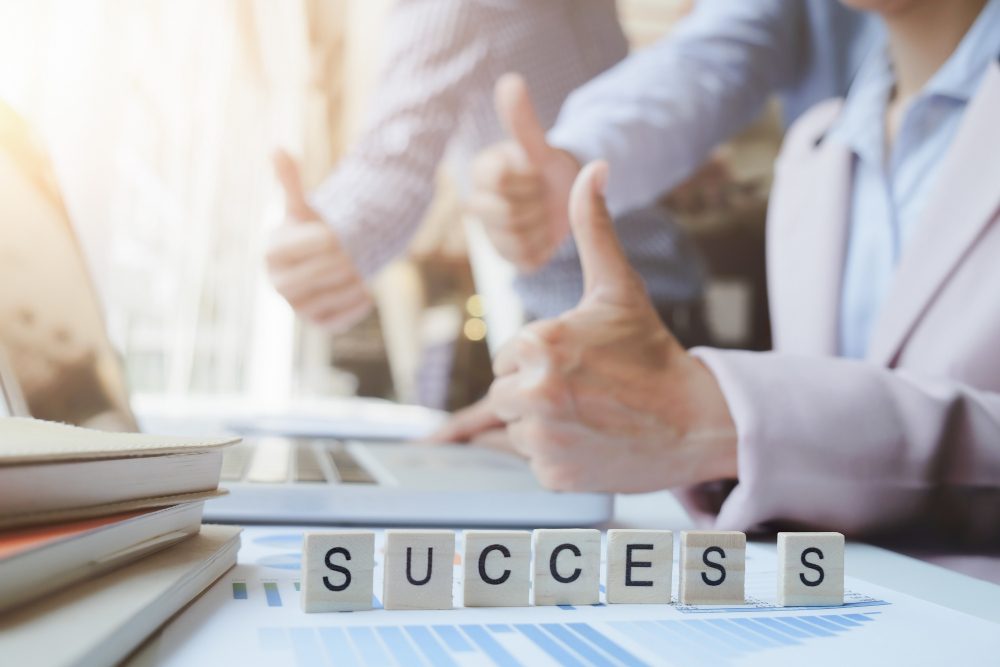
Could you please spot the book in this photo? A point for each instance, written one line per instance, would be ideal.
(35, 561)
(101, 621)
(84, 473)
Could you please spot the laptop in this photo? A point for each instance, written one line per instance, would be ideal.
(57, 363)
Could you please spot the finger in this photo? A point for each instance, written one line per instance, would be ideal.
(527, 250)
(294, 242)
(606, 270)
(314, 275)
(496, 439)
(517, 115)
(287, 170)
(348, 317)
(531, 345)
(326, 306)
(496, 171)
(467, 423)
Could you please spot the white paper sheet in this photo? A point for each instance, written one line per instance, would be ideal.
(252, 617)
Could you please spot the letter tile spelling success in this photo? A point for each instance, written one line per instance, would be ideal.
(418, 569)
(338, 567)
(713, 567)
(567, 566)
(640, 566)
(810, 569)
(497, 568)
(337, 570)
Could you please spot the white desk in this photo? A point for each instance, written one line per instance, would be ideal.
(207, 632)
(886, 568)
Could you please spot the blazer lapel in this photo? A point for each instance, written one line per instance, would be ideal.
(964, 200)
(806, 250)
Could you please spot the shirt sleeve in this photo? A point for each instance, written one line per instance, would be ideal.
(379, 192)
(846, 445)
(656, 116)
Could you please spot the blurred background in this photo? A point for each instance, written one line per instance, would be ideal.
(160, 117)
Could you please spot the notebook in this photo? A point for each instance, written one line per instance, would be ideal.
(35, 561)
(92, 473)
(101, 621)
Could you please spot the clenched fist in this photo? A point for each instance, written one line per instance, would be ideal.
(603, 398)
(307, 264)
(521, 186)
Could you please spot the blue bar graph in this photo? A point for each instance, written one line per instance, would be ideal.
(497, 653)
(455, 640)
(368, 646)
(338, 647)
(435, 653)
(577, 645)
(306, 647)
(718, 641)
(239, 590)
(547, 644)
(398, 645)
(272, 594)
(605, 644)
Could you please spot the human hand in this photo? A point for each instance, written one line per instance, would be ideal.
(521, 186)
(475, 425)
(307, 264)
(603, 398)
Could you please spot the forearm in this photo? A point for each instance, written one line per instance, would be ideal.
(854, 447)
(656, 116)
(375, 207)
(380, 191)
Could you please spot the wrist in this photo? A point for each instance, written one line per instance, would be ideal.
(711, 433)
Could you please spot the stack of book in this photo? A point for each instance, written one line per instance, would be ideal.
(101, 539)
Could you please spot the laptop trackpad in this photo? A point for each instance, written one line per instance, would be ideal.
(448, 467)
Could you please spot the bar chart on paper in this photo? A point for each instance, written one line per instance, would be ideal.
(253, 616)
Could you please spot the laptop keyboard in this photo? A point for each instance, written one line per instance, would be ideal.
(280, 460)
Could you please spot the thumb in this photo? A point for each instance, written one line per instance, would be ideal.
(518, 117)
(606, 269)
(287, 170)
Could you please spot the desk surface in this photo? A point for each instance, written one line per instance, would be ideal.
(912, 576)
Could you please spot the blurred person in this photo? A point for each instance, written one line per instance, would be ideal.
(879, 410)
(434, 102)
(656, 116)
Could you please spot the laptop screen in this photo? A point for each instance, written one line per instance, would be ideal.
(58, 358)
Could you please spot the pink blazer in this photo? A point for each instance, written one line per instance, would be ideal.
(909, 438)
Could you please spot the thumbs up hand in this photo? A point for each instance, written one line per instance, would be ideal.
(603, 398)
(307, 264)
(521, 186)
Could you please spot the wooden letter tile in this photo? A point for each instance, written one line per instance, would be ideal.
(337, 571)
(419, 569)
(640, 566)
(497, 568)
(567, 566)
(810, 569)
(712, 567)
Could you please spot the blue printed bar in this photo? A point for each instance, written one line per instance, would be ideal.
(547, 644)
(490, 646)
(605, 644)
(429, 646)
(455, 640)
(368, 646)
(272, 594)
(398, 645)
(305, 646)
(577, 645)
(239, 590)
(338, 647)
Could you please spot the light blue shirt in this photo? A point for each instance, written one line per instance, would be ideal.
(656, 116)
(890, 190)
